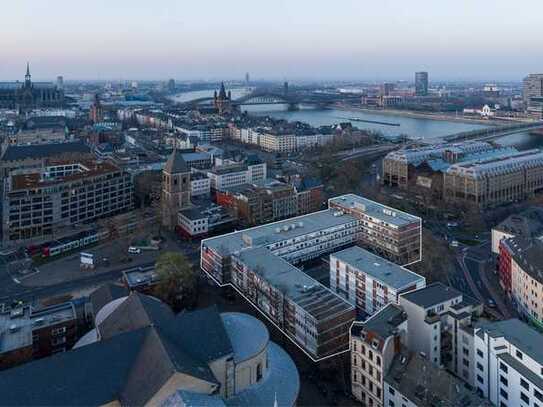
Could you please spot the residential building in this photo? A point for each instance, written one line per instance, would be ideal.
(532, 93)
(176, 187)
(307, 312)
(64, 193)
(147, 355)
(296, 240)
(440, 327)
(388, 232)
(256, 204)
(280, 143)
(509, 363)
(374, 343)
(27, 333)
(421, 83)
(526, 224)
(309, 194)
(368, 281)
(198, 159)
(413, 381)
(495, 181)
(520, 271)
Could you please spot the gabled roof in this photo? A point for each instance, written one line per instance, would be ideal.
(105, 294)
(176, 163)
(137, 311)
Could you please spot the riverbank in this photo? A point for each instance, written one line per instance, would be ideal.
(419, 115)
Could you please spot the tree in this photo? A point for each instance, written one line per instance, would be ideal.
(177, 280)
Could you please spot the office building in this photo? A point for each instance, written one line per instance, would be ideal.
(509, 363)
(388, 232)
(200, 185)
(416, 166)
(495, 180)
(306, 311)
(520, 271)
(532, 92)
(141, 353)
(232, 175)
(368, 281)
(421, 83)
(374, 343)
(27, 333)
(204, 220)
(33, 157)
(63, 193)
(439, 326)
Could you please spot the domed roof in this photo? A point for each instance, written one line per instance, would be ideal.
(248, 335)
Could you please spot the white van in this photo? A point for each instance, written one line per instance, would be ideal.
(134, 250)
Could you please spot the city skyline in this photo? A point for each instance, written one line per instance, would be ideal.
(213, 40)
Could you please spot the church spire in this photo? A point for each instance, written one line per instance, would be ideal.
(28, 78)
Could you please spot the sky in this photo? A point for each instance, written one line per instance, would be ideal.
(271, 39)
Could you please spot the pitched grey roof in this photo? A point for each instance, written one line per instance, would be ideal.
(176, 163)
(137, 311)
(383, 324)
(105, 294)
(14, 153)
(89, 376)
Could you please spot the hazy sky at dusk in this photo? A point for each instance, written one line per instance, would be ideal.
(294, 39)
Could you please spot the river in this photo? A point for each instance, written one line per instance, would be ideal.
(427, 129)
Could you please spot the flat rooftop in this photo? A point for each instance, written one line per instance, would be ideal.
(374, 209)
(88, 168)
(377, 267)
(520, 334)
(278, 231)
(141, 276)
(431, 295)
(17, 325)
(308, 293)
(528, 223)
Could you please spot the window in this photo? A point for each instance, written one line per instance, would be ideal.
(503, 367)
(391, 391)
(519, 354)
(504, 381)
(524, 398)
(258, 372)
(538, 395)
(480, 379)
(504, 394)
(479, 366)
(524, 384)
(391, 403)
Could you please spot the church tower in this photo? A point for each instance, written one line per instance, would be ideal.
(175, 189)
(222, 101)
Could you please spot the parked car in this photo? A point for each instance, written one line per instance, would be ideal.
(134, 250)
